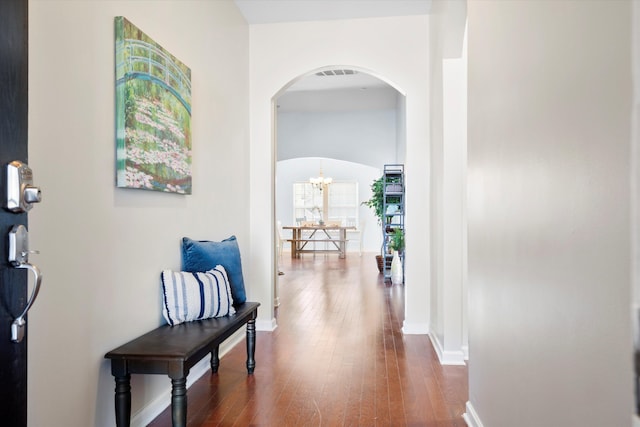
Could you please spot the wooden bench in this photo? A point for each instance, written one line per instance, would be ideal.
(173, 351)
(298, 246)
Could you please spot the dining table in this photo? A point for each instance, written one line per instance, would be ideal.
(307, 237)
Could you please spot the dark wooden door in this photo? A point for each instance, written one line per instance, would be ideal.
(13, 146)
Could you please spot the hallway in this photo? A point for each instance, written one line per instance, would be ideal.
(337, 358)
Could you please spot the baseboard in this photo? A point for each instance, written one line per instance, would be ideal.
(415, 328)
(465, 351)
(446, 357)
(471, 417)
(147, 414)
(266, 325)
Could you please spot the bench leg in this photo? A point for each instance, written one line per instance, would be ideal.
(215, 360)
(179, 402)
(123, 401)
(251, 345)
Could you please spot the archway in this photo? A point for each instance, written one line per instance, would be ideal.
(381, 48)
(345, 120)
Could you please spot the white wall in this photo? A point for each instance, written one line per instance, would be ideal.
(635, 185)
(295, 170)
(316, 97)
(549, 235)
(448, 166)
(102, 248)
(367, 137)
(452, 289)
(401, 129)
(395, 49)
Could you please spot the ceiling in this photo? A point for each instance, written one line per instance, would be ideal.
(336, 78)
(271, 11)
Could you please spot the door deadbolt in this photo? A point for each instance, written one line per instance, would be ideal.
(21, 193)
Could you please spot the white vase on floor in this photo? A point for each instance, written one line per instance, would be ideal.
(396, 269)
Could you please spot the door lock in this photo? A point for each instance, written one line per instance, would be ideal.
(21, 193)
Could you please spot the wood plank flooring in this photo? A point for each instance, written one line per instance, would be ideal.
(337, 358)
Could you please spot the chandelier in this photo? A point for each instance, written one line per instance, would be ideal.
(320, 181)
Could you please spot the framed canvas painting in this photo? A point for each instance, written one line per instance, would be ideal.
(153, 114)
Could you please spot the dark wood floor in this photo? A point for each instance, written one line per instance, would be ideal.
(337, 358)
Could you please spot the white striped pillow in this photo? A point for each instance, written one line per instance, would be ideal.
(194, 296)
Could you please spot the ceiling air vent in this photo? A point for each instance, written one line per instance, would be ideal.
(336, 73)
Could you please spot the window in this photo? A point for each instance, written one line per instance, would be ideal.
(341, 202)
(307, 204)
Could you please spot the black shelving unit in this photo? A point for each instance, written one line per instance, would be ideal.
(393, 190)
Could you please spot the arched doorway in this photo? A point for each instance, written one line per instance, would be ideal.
(288, 53)
(344, 121)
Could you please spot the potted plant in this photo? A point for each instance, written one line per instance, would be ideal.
(376, 202)
(397, 240)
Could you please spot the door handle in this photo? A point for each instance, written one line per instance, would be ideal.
(18, 325)
(19, 258)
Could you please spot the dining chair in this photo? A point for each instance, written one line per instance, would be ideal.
(281, 238)
(357, 233)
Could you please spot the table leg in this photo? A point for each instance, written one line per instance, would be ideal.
(215, 360)
(343, 242)
(179, 402)
(294, 243)
(123, 400)
(251, 345)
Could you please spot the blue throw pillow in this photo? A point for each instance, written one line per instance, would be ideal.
(203, 255)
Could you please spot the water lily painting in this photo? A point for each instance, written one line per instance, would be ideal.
(153, 114)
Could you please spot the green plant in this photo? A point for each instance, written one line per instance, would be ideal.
(376, 201)
(397, 240)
